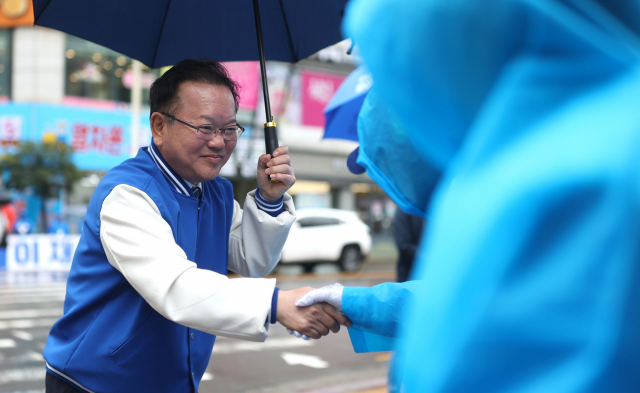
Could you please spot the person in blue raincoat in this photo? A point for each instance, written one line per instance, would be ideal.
(530, 109)
(374, 311)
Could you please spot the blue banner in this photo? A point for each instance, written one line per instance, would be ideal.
(100, 138)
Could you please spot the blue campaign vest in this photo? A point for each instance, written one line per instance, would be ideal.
(110, 339)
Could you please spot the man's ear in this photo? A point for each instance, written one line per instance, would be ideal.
(158, 128)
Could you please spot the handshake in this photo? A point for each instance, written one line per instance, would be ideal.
(312, 313)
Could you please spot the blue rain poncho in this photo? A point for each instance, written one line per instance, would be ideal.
(531, 267)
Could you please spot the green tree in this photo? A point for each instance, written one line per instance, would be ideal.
(45, 167)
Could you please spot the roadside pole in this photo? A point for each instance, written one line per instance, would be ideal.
(136, 104)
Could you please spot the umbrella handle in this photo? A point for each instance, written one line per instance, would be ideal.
(270, 137)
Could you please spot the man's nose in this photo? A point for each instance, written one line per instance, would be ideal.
(217, 142)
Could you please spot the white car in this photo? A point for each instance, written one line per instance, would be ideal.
(327, 235)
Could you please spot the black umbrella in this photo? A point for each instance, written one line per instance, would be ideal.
(162, 32)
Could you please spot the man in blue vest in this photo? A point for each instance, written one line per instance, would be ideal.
(148, 292)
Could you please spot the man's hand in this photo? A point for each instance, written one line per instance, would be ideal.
(276, 168)
(331, 294)
(314, 321)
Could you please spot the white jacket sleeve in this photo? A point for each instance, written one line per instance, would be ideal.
(139, 243)
(256, 238)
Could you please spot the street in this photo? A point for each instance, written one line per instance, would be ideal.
(31, 303)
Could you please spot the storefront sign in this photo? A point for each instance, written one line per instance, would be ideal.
(317, 90)
(247, 75)
(41, 252)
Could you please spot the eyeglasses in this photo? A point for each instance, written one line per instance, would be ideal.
(207, 132)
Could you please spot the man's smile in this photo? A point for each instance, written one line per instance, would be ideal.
(213, 158)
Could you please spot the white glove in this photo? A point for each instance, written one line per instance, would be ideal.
(331, 294)
(297, 334)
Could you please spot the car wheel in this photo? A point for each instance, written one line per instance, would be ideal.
(351, 259)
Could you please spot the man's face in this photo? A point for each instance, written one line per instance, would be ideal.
(194, 159)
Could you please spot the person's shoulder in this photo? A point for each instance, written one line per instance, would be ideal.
(135, 172)
(117, 176)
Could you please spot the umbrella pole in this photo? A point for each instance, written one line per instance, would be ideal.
(270, 132)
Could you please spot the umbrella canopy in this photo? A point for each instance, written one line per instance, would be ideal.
(342, 111)
(162, 32)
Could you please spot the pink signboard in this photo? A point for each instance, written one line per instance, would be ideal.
(247, 75)
(317, 90)
(145, 79)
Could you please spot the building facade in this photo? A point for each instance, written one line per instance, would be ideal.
(54, 84)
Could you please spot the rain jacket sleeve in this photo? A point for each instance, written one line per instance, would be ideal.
(378, 308)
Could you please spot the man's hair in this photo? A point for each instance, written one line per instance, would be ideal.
(163, 96)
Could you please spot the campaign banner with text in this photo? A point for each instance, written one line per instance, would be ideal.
(41, 252)
(100, 137)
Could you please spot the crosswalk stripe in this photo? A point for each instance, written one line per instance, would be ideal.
(30, 289)
(7, 343)
(22, 374)
(26, 356)
(33, 299)
(207, 377)
(249, 346)
(31, 313)
(22, 335)
(37, 356)
(27, 323)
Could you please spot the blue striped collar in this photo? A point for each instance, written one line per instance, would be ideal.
(178, 183)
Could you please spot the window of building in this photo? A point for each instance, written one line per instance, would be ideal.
(318, 221)
(94, 71)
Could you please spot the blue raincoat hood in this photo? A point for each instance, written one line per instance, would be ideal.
(391, 159)
(440, 63)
